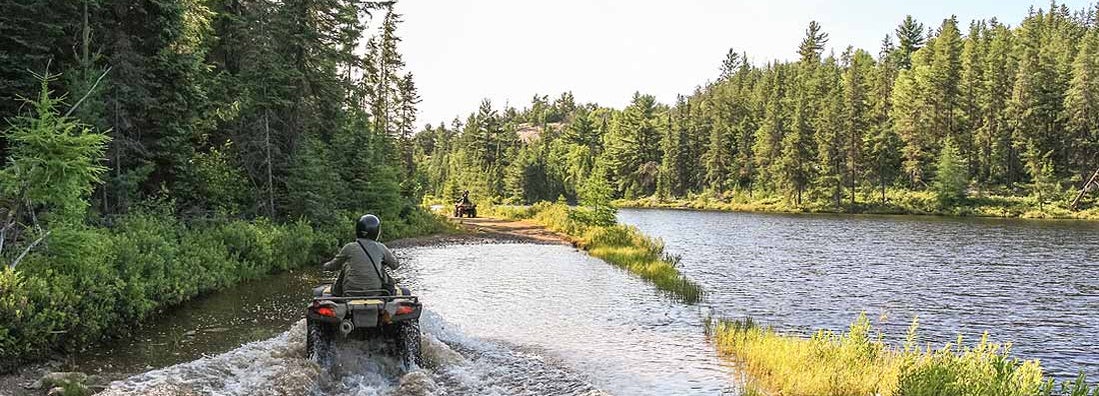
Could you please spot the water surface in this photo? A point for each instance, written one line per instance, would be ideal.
(501, 319)
(1033, 283)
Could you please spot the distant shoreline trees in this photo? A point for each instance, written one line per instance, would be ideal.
(831, 129)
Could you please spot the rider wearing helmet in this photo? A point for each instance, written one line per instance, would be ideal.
(362, 263)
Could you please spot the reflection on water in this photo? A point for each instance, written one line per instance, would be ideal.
(211, 324)
(1034, 283)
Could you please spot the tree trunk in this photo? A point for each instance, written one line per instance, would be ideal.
(270, 178)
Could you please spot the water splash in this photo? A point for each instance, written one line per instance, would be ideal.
(277, 366)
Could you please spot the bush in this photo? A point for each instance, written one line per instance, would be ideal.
(855, 363)
(88, 283)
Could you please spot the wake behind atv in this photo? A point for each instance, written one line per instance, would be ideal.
(393, 319)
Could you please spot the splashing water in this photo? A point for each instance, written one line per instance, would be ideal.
(278, 366)
(500, 319)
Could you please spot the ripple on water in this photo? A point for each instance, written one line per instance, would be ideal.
(1032, 283)
(598, 320)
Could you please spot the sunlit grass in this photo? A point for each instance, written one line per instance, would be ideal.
(897, 201)
(621, 245)
(859, 362)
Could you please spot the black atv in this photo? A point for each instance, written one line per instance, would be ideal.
(374, 315)
(465, 210)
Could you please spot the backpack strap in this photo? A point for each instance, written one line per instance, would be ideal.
(382, 276)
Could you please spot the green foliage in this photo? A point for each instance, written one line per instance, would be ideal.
(817, 131)
(147, 261)
(858, 362)
(53, 161)
(244, 139)
(951, 180)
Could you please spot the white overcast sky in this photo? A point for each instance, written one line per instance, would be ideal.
(462, 51)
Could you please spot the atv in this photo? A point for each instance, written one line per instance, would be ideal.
(394, 319)
(465, 210)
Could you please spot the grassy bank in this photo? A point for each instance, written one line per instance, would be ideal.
(897, 201)
(595, 231)
(858, 362)
(90, 283)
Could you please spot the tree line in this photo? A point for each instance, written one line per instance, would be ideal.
(960, 111)
(281, 109)
(155, 150)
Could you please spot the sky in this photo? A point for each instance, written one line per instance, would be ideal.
(463, 51)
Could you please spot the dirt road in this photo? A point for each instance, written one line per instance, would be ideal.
(519, 230)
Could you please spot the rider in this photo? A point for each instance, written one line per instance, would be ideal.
(362, 263)
(465, 198)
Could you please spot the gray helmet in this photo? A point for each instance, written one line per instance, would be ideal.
(369, 227)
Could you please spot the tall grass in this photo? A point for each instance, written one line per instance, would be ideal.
(859, 362)
(595, 230)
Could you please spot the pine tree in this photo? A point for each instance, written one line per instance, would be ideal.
(407, 99)
(914, 115)
(767, 147)
(813, 43)
(993, 136)
(968, 111)
(831, 134)
(944, 77)
(882, 143)
(856, 114)
(716, 160)
(1043, 185)
(910, 35)
(731, 64)
(634, 150)
(950, 175)
(1082, 106)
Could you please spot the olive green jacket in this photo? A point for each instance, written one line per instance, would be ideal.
(357, 272)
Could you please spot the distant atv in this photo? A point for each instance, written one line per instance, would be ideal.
(465, 210)
(393, 319)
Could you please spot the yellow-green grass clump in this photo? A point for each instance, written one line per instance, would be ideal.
(897, 201)
(595, 230)
(859, 362)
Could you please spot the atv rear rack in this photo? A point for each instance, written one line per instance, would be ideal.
(385, 297)
(414, 299)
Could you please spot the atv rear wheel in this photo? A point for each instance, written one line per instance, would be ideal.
(318, 341)
(408, 343)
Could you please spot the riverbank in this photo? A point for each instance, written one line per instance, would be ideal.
(208, 324)
(898, 202)
(596, 231)
(94, 285)
(859, 362)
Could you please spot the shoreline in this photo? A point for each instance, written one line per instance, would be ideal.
(477, 231)
(1090, 215)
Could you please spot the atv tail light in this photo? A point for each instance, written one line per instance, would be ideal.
(404, 310)
(326, 311)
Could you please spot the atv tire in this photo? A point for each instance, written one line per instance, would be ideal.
(408, 343)
(318, 341)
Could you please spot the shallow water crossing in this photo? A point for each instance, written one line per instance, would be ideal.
(502, 319)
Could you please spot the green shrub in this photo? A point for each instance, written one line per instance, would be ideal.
(87, 283)
(857, 363)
